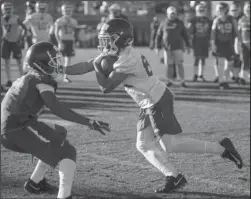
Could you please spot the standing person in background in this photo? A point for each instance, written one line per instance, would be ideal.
(66, 33)
(11, 37)
(115, 12)
(224, 32)
(174, 34)
(200, 31)
(30, 9)
(235, 12)
(103, 20)
(40, 23)
(244, 31)
(153, 28)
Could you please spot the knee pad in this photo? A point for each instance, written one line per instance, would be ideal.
(69, 151)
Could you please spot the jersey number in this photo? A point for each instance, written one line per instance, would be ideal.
(225, 28)
(146, 65)
(202, 28)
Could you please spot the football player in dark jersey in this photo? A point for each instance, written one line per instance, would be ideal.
(200, 30)
(224, 31)
(22, 131)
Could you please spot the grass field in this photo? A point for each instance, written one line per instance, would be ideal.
(111, 167)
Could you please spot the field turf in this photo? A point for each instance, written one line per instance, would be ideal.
(111, 167)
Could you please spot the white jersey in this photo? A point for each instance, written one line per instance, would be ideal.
(66, 26)
(140, 84)
(40, 25)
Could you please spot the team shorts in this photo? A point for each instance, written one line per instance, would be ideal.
(68, 48)
(8, 47)
(173, 56)
(161, 117)
(225, 50)
(245, 56)
(43, 140)
(200, 48)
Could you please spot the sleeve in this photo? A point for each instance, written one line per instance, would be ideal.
(125, 65)
(44, 87)
(27, 21)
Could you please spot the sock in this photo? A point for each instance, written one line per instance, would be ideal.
(39, 172)
(67, 169)
(188, 145)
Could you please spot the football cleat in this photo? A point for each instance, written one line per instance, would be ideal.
(37, 188)
(195, 78)
(172, 184)
(8, 84)
(242, 81)
(183, 85)
(224, 86)
(216, 80)
(231, 153)
(202, 78)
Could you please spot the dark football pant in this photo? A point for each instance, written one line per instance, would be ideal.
(45, 141)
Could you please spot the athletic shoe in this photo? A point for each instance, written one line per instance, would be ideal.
(183, 85)
(242, 81)
(67, 80)
(231, 153)
(172, 184)
(224, 86)
(216, 80)
(8, 84)
(169, 84)
(37, 188)
(195, 78)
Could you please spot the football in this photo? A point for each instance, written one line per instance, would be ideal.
(107, 64)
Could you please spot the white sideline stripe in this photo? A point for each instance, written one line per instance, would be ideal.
(131, 164)
(215, 108)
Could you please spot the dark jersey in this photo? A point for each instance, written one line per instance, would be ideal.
(23, 103)
(224, 30)
(244, 28)
(173, 34)
(200, 28)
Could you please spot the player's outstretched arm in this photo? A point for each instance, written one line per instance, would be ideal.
(80, 68)
(60, 110)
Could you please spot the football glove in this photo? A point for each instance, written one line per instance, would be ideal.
(99, 126)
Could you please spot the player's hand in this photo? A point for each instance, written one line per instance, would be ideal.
(99, 126)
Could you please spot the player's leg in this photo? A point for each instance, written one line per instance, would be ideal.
(146, 144)
(47, 142)
(195, 69)
(17, 55)
(178, 60)
(68, 52)
(168, 60)
(167, 128)
(245, 68)
(5, 54)
(216, 69)
(202, 69)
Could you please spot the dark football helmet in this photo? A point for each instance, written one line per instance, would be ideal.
(115, 35)
(31, 4)
(45, 58)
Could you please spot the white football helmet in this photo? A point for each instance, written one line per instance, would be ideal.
(41, 7)
(200, 10)
(246, 9)
(7, 8)
(171, 12)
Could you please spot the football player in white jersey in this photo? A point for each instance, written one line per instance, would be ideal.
(157, 122)
(40, 23)
(65, 32)
(10, 38)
